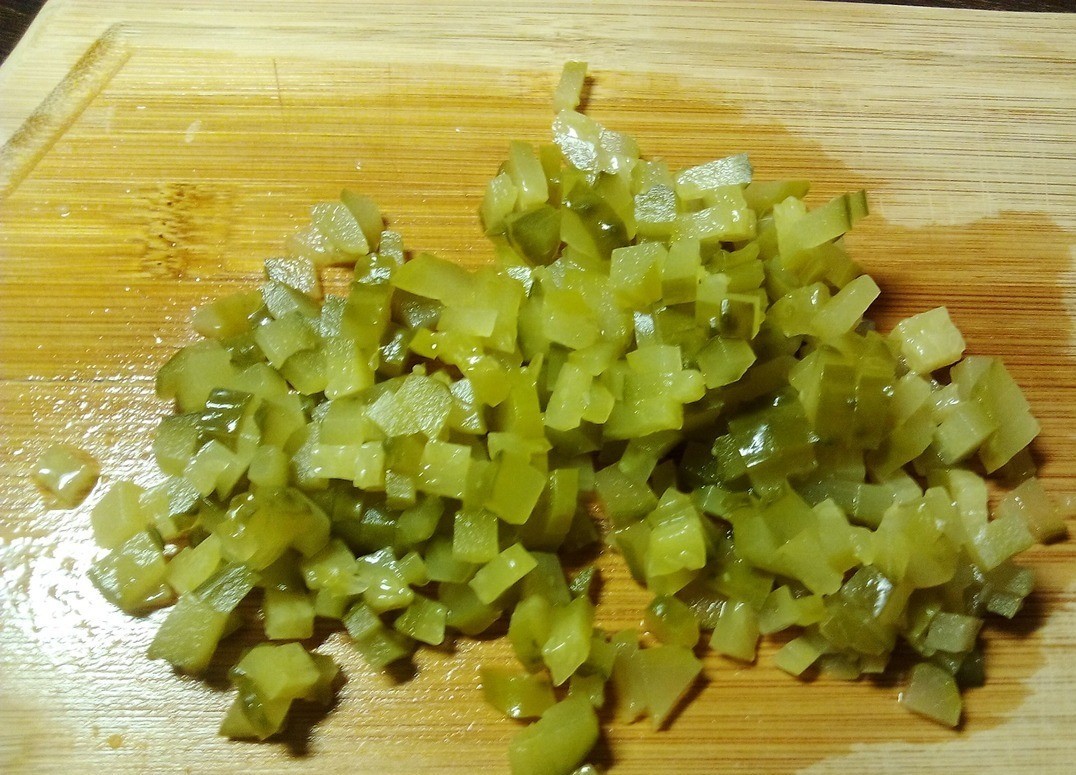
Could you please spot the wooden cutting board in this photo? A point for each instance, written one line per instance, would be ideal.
(190, 141)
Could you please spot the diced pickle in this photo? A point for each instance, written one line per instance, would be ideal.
(665, 673)
(132, 575)
(671, 621)
(568, 643)
(558, 742)
(67, 473)
(495, 577)
(677, 362)
(517, 695)
(932, 692)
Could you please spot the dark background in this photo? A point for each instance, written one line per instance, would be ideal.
(16, 15)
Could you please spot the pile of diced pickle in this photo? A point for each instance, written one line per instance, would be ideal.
(675, 365)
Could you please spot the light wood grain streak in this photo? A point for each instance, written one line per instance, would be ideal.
(961, 125)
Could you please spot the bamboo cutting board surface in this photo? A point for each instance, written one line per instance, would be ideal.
(191, 140)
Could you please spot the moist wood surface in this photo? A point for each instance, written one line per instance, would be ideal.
(187, 144)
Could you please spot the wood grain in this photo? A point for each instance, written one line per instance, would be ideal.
(16, 15)
(1024, 6)
(165, 176)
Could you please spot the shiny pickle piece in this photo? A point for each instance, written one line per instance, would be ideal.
(535, 234)
(515, 489)
(500, 199)
(671, 621)
(558, 742)
(466, 613)
(66, 473)
(189, 635)
(568, 643)
(118, 515)
(526, 171)
(424, 620)
(551, 520)
(336, 221)
(228, 316)
(604, 225)
(502, 572)
(443, 469)
(529, 628)
(377, 644)
(193, 565)
(1037, 509)
(289, 614)
(800, 230)
(665, 673)
(474, 535)
(929, 340)
(269, 679)
(132, 576)
(796, 656)
(367, 215)
(932, 692)
(569, 89)
(736, 633)
(694, 182)
(548, 580)
(517, 695)
(1002, 399)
